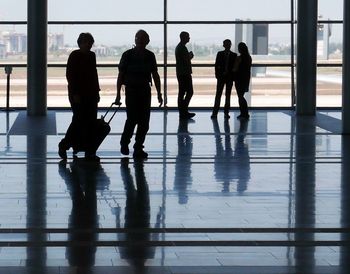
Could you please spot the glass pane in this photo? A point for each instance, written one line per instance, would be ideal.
(110, 40)
(116, 10)
(13, 44)
(57, 94)
(13, 10)
(201, 10)
(108, 49)
(269, 87)
(329, 87)
(267, 42)
(330, 9)
(18, 87)
(204, 84)
(330, 43)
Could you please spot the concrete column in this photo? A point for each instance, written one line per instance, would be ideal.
(306, 57)
(37, 58)
(346, 69)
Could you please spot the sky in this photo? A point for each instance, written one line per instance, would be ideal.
(118, 10)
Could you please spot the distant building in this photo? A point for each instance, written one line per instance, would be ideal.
(103, 51)
(324, 31)
(14, 42)
(256, 36)
(2, 51)
(55, 41)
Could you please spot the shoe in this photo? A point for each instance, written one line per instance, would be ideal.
(140, 154)
(187, 115)
(124, 150)
(62, 152)
(190, 115)
(92, 158)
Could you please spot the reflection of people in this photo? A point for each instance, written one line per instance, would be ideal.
(82, 180)
(241, 157)
(243, 70)
(224, 74)
(137, 216)
(83, 92)
(183, 162)
(230, 165)
(136, 69)
(223, 158)
(184, 76)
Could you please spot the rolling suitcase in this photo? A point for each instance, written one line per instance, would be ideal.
(102, 129)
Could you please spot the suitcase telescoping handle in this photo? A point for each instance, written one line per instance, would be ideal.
(115, 111)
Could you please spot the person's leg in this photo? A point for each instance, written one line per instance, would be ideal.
(73, 132)
(229, 85)
(219, 89)
(90, 127)
(142, 124)
(130, 123)
(181, 94)
(188, 93)
(243, 106)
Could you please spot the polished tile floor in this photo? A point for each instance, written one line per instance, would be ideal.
(268, 195)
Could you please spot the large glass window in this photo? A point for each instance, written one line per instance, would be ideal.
(265, 25)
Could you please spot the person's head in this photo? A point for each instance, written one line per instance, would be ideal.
(141, 38)
(227, 44)
(85, 41)
(243, 49)
(184, 37)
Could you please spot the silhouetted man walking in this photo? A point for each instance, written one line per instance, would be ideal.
(137, 67)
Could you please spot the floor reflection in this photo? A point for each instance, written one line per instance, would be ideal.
(83, 179)
(36, 198)
(137, 216)
(292, 172)
(183, 166)
(305, 192)
(229, 164)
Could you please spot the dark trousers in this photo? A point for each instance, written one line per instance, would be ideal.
(80, 133)
(138, 110)
(219, 89)
(243, 106)
(185, 93)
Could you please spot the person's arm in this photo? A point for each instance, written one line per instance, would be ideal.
(217, 65)
(120, 81)
(156, 80)
(97, 84)
(121, 78)
(71, 76)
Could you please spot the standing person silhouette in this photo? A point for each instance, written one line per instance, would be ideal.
(83, 93)
(225, 76)
(184, 76)
(137, 67)
(243, 70)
